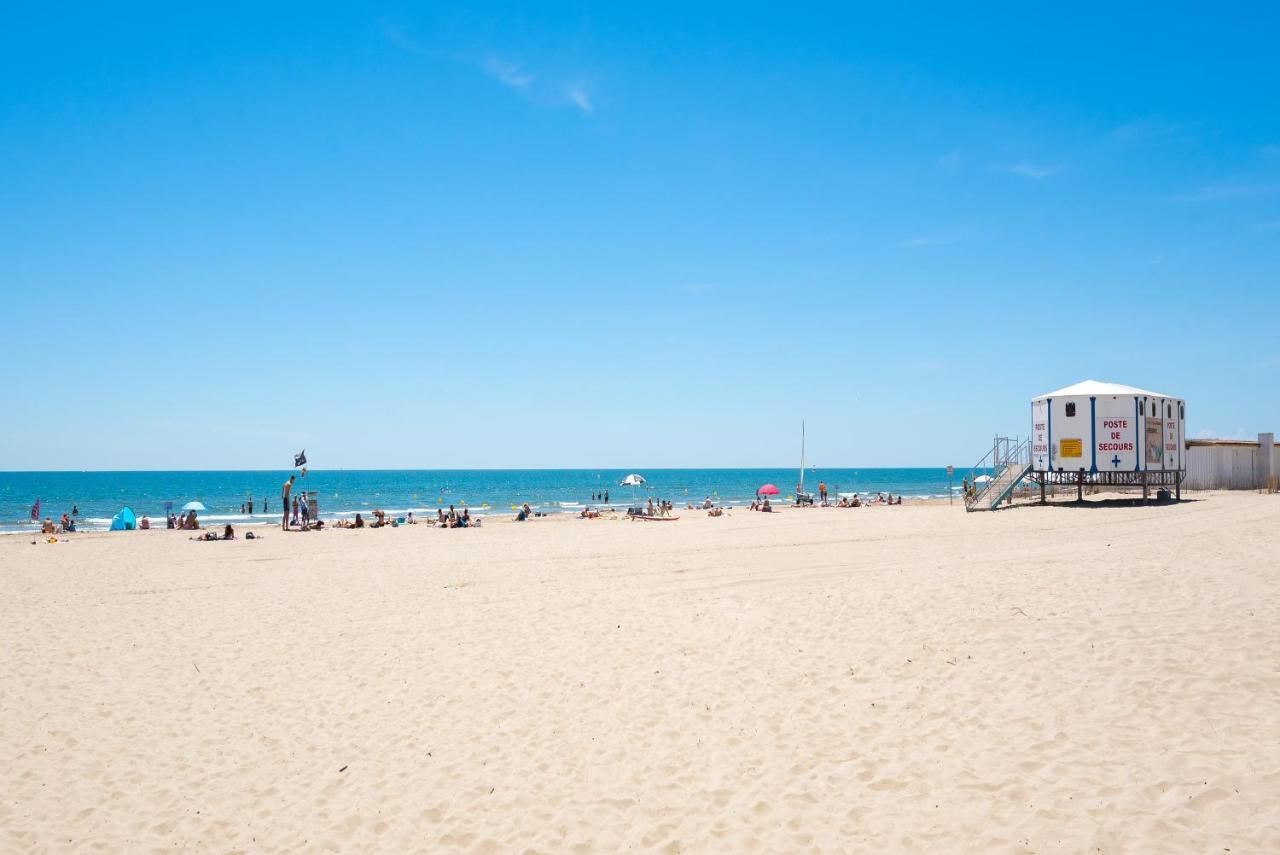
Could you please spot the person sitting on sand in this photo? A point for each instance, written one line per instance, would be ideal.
(144, 523)
(409, 519)
(359, 523)
(465, 520)
(524, 513)
(228, 533)
(715, 512)
(63, 523)
(48, 527)
(589, 514)
(766, 507)
(190, 523)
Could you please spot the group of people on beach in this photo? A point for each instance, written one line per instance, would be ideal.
(303, 516)
(857, 502)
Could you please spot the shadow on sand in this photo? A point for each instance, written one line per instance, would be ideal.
(1099, 504)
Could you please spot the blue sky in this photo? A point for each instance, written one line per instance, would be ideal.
(418, 236)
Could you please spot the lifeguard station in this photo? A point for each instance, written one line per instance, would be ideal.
(1100, 434)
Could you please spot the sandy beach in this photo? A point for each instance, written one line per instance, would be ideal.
(1103, 679)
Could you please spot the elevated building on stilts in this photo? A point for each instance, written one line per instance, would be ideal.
(1091, 434)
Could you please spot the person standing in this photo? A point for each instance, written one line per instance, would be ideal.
(295, 510)
(304, 509)
(251, 506)
(285, 490)
(822, 492)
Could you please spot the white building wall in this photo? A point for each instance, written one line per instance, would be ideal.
(1222, 467)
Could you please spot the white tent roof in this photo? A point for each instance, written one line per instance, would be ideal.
(1096, 387)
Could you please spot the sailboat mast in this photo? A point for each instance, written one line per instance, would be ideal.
(802, 455)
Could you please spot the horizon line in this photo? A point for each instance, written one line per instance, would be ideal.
(459, 469)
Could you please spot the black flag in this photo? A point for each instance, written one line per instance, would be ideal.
(300, 459)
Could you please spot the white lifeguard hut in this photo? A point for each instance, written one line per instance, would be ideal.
(1090, 433)
(1108, 434)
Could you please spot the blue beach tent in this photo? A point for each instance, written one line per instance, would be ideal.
(124, 521)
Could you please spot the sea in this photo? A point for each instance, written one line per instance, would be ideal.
(98, 496)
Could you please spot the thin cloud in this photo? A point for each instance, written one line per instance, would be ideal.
(950, 162)
(1033, 170)
(1219, 191)
(1153, 131)
(579, 97)
(509, 74)
(539, 90)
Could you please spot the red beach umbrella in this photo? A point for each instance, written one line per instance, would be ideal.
(767, 490)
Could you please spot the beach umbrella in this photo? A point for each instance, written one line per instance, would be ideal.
(982, 479)
(194, 506)
(767, 490)
(633, 480)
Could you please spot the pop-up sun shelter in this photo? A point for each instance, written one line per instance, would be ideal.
(124, 521)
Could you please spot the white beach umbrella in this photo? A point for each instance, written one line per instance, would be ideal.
(633, 480)
(982, 479)
(194, 506)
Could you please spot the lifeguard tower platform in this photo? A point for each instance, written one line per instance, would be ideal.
(1092, 433)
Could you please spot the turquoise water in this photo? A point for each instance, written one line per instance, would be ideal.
(99, 495)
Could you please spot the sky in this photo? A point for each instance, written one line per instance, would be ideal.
(624, 235)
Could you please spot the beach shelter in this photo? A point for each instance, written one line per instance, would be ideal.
(124, 521)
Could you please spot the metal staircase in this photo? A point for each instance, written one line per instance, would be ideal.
(1004, 467)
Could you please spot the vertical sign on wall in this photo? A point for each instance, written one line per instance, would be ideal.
(1171, 456)
(1040, 436)
(1155, 442)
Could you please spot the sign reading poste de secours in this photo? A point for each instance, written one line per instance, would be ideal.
(1040, 435)
(1115, 442)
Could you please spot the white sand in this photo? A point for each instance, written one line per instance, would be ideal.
(1040, 679)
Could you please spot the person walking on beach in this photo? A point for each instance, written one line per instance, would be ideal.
(822, 492)
(284, 500)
